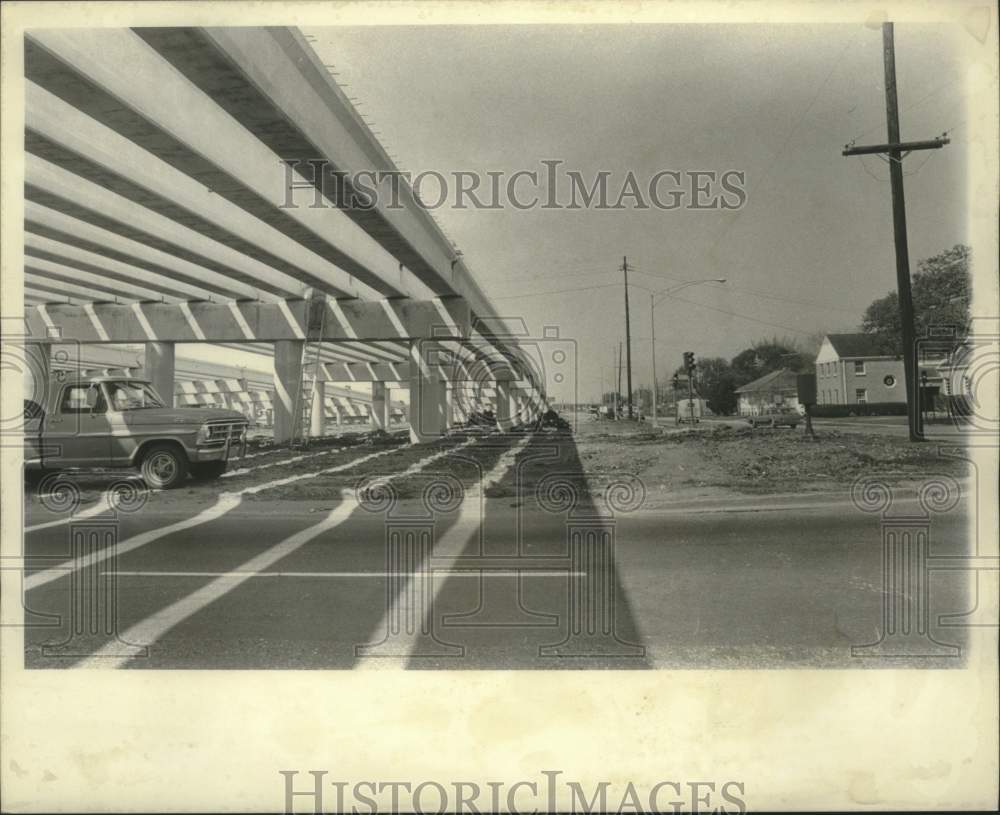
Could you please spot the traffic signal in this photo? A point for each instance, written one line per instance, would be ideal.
(677, 382)
(689, 360)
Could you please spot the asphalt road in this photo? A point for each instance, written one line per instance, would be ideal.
(511, 583)
(776, 588)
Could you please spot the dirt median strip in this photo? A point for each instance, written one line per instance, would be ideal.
(721, 460)
(408, 462)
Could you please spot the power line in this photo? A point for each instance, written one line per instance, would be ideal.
(744, 316)
(769, 296)
(916, 104)
(788, 138)
(547, 276)
(557, 291)
(751, 292)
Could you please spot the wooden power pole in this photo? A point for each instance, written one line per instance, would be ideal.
(628, 341)
(618, 389)
(896, 152)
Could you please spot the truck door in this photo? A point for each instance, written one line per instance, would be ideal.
(78, 433)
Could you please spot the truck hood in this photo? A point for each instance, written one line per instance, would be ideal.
(180, 416)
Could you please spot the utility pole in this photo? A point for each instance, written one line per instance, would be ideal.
(628, 339)
(897, 151)
(618, 392)
(652, 354)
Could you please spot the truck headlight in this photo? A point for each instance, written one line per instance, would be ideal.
(202, 437)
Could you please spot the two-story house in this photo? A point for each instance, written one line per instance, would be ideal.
(855, 369)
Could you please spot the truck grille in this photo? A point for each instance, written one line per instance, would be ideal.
(220, 432)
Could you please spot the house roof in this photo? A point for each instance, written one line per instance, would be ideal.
(859, 345)
(782, 378)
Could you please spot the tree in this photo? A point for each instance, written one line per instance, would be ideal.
(942, 291)
(766, 356)
(717, 385)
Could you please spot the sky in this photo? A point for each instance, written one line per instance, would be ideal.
(809, 250)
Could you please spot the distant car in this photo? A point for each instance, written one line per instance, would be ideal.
(776, 417)
(688, 410)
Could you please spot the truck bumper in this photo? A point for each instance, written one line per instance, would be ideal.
(202, 454)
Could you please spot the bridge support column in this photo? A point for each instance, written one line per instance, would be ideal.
(38, 372)
(287, 379)
(159, 369)
(449, 404)
(427, 395)
(317, 414)
(519, 408)
(503, 405)
(381, 406)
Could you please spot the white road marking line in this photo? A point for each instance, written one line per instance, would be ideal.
(263, 453)
(293, 459)
(155, 626)
(100, 506)
(302, 476)
(455, 572)
(411, 470)
(446, 550)
(225, 503)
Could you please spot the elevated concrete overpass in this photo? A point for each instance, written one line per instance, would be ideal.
(189, 185)
(199, 382)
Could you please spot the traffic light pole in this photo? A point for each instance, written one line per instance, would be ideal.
(691, 394)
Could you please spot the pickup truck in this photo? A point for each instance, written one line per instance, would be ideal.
(775, 416)
(115, 422)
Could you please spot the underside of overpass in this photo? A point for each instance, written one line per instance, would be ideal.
(176, 202)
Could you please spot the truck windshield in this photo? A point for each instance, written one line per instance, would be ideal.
(133, 396)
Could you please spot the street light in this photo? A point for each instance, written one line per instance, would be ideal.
(653, 302)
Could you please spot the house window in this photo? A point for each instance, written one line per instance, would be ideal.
(859, 367)
(861, 396)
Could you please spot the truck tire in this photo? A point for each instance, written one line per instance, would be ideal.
(163, 466)
(207, 470)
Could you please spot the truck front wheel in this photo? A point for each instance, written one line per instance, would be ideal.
(163, 467)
